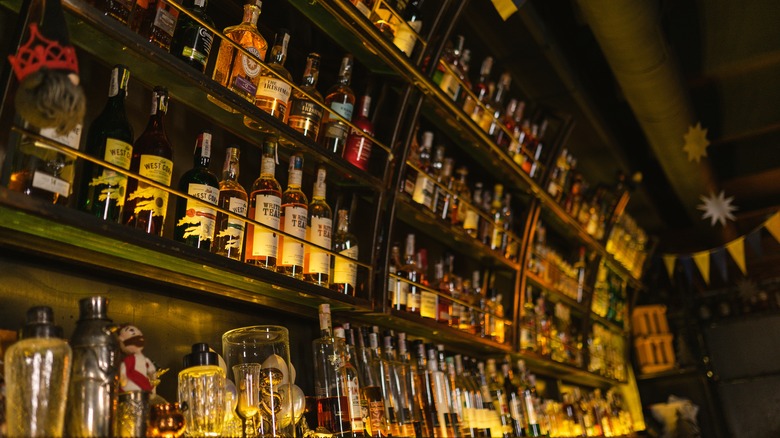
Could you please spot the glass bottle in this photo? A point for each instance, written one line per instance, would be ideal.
(498, 231)
(481, 90)
(293, 220)
(305, 114)
(357, 150)
(229, 232)
(459, 206)
(37, 372)
(145, 205)
(155, 20)
(192, 42)
(409, 271)
(440, 391)
(442, 197)
(265, 202)
(446, 286)
(118, 9)
(503, 136)
(351, 383)
(370, 388)
(110, 138)
(316, 263)
(234, 70)
(395, 288)
(424, 186)
(447, 79)
(500, 399)
(273, 92)
(471, 219)
(406, 34)
(333, 403)
(344, 268)
(341, 99)
(201, 385)
(195, 221)
(423, 389)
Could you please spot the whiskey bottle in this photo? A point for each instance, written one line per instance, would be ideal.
(294, 218)
(406, 35)
(265, 202)
(118, 9)
(409, 271)
(504, 136)
(229, 232)
(370, 387)
(192, 42)
(424, 186)
(341, 99)
(395, 289)
(423, 387)
(498, 231)
(273, 93)
(155, 20)
(442, 197)
(316, 263)
(145, 205)
(459, 206)
(471, 218)
(234, 70)
(358, 147)
(447, 79)
(330, 380)
(306, 114)
(344, 268)
(110, 138)
(352, 385)
(481, 90)
(195, 220)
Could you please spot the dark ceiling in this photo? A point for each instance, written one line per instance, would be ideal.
(723, 61)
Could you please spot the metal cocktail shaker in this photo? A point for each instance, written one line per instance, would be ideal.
(94, 382)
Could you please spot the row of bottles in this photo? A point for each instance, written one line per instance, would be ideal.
(608, 353)
(548, 329)
(609, 296)
(628, 242)
(554, 270)
(400, 21)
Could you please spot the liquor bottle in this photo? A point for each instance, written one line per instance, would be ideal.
(406, 35)
(344, 268)
(409, 271)
(330, 383)
(442, 197)
(371, 387)
(351, 384)
(497, 230)
(424, 186)
(504, 136)
(445, 286)
(500, 399)
(146, 206)
(429, 301)
(273, 92)
(195, 221)
(357, 150)
(316, 263)
(459, 207)
(391, 390)
(118, 9)
(110, 138)
(447, 78)
(293, 220)
(265, 202)
(439, 389)
(234, 70)
(519, 133)
(471, 220)
(412, 414)
(341, 99)
(306, 114)
(192, 42)
(229, 232)
(396, 289)
(155, 20)
(470, 107)
(489, 121)
(352, 357)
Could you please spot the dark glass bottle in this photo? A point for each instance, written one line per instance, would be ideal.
(358, 148)
(305, 114)
(195, 221)
(192, 42)
(341, 99)
(146, 206)
(110, 138)
(155, 20)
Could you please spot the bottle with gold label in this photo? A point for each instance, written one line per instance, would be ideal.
(265, 203)
(229, 232)
(274, 90)
(344, 268)
(195, 221)
(316, 262)
(110, 138)
(293, 220)
(306, 114)
(145, 205)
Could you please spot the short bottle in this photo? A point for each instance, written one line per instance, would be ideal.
(340, 99)
(274, 90)
(293, 221)
(192, 42)
(344, 267)
(202, 387)
(305, 114)
(406, 36)
(358, 148)
(195, 221)
(37, 372)
(229, 231)
(155, 20)
(265, 201)
(316, 262)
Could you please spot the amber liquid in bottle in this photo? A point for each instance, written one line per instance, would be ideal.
(265, 202)
(273, 94)
(306, 114)
(293, 220)
(229, 232)
(316, 263)
(341, 99)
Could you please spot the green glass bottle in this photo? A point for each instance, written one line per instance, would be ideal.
(195, 221)
(192, 42)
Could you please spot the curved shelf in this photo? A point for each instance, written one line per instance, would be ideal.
(565, 372)
(557, 294)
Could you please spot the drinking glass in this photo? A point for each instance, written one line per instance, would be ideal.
(247, 377)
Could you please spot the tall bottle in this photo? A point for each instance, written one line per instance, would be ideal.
(94, 382)
(480, 89)
(316, 263)
(423, 387)
(192, 42)
(145, 205)
(273, 92)
(498, 231)
(306, 114)
(110, 138)
(234, 70)
(439, 388)
(395, 289)
(195, 221)
(37, 372)
(424, 186)
(341, 99)
(351, 384)
(358, 147)
(406, 36)
(330, 380)
(293, 220)
(344, 268)
(371, 387)
(228, 231)
(409, 271)
(265, 201)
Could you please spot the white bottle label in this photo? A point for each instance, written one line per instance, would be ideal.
(344, 269)
(342, 109)
(355, 409)
(428, 301)
(49, 183)
(398, 291)
(319, 233)
(412, 298)
(294, 223)
(158, 169)
(235, 227)
(273, 89)
(71, 139)
(406, 36)
(471, 221)
(199, 217)
(423, 190)
(267, 208)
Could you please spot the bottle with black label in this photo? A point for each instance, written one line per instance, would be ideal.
(192, 42)
(195, 221)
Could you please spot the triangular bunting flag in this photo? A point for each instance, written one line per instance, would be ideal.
(669, 260)
(719, 260)
(773, 226)
(687, 264)
(737, 250)
(753, 239)
(702, 260)
(505, 8)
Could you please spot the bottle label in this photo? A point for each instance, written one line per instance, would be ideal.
(336, 129)
(363, 8)
(344, 269)
(305, 115)
(267, 209)
(399, 290)
(165, 18)
(355, 408)
(428, 303)
(199, 217)
(250, 66)
(50, 183)
(70, 139)
(294, 223)
(342, 109)
(406, 36)
(235, 228)
(200, 48)
(319, 233)
(358, 149)
(413, 298)
(267, 166)
(496, 242)
(423, 190)
(450, 85)
(152, 199)
(114, 184)
(472, 220)
(272, 89)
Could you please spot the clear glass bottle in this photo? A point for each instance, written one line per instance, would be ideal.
(316, 263)
(423, 388)
(110, 138)
(265, 201)
(229, 232)
(195, 221)
(333, 403)
(498, 231)
(201, 385)
(273, 92)
(146, 206)
(293, 220)
(155, 20)
(305, 114)
(371, 387)
(341, 99)
(459, 207)
(395, 290)
(192, 42)
(234, 70)
(344, 268)
(409, 271)
(352, 384)
(357, 150)
(424, 186)
(37, 372)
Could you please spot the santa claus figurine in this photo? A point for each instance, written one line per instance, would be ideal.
(136, 373)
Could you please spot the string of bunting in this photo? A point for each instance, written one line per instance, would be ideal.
(703, 260)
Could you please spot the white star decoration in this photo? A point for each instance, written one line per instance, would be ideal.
(717, 208)
(746, 288)
(696, 143)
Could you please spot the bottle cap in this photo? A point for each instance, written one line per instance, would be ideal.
(200, 356)
(93, 308)
(40, 324)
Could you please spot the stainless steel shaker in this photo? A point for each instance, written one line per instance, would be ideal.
(94, 383)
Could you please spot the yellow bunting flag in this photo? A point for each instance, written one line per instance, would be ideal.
(773, 226)
(669, 260)
(737, 250)
(702, 260)
(505, 8)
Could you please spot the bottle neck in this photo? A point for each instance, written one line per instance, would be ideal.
(343, 222)
(319, 185)
(294, 179)
(365, 105)
(251, 14)
(279, 50)
(159, 108)
(202, 155)
(230, 170)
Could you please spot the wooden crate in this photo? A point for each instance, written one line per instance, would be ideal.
(655, 353)
(649, 320)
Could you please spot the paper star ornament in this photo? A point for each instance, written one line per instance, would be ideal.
(696, 143)
(746, 288)
(717, 208)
